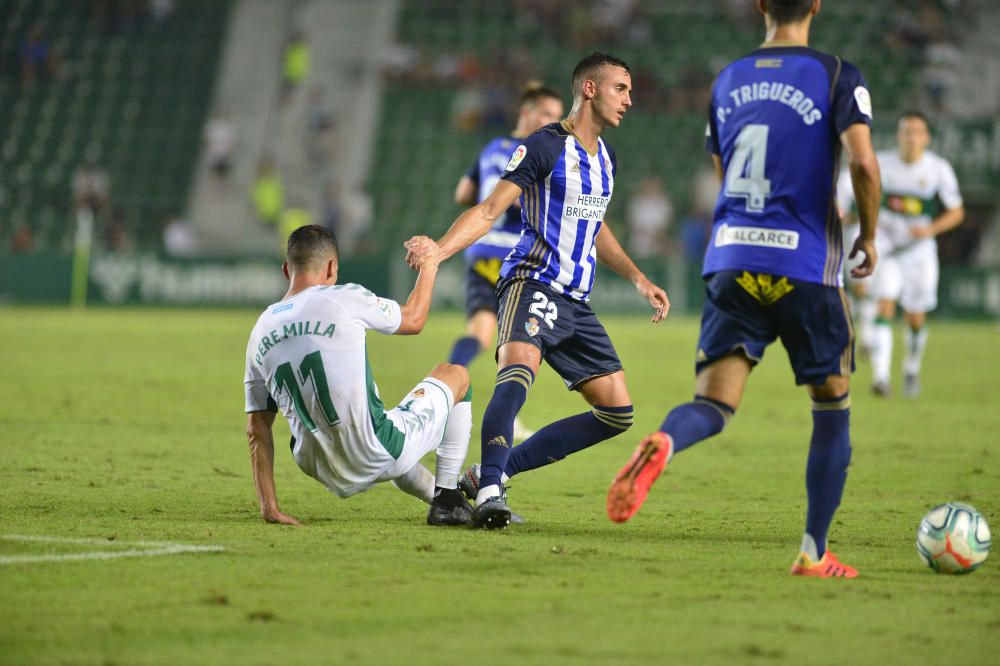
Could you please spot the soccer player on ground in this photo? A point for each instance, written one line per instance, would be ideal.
(539, 106)
(777, 120)
(307, 357)
(920, 200)
(564, 174)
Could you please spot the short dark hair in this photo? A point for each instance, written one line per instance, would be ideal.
(534, 92)
(918, 115)
(310, 245)
(586, 68)
(788, 11)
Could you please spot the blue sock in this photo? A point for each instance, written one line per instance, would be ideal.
(511, 391)
(692, 422)
(826, 470)
(464, 351)
(562, 438)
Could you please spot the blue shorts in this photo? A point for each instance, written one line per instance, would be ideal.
(481, 285)
(572, 340)
(747, 311)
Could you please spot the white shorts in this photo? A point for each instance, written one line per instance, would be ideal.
(909, 278)
(422, 416)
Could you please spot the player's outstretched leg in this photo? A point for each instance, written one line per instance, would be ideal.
(567, 436)
(826, 474)
(464, 350)
(449, 506)
(512, 384)
(882, 357)
(686, 424)
(915, 338)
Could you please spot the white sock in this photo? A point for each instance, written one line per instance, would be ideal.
(867, 310)
(418, 481)
(916, 342)
(809, 547)
(882, 353)
(486, 493)
(454, 445)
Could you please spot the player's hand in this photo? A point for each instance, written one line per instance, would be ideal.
(923, 231)
(656, 297)
(279, 518)
(421, 249)
(866, 247)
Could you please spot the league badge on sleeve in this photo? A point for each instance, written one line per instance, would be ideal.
(864, 100)
(516, 158)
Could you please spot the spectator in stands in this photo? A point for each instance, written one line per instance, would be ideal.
(220, 138)
(649, 215)
(91, 189)
(37, 56)
(179, 239)
(295, 68)
(117, 237)
(22, 241)
(292, 218)
(267, 192)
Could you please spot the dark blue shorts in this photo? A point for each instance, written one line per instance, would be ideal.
(572, 340)
(747, 311)
(481, 285)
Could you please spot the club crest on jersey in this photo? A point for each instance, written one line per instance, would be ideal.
(516, 158)
(418, 393)
(384, 307)
(864, 100)
(531, 327)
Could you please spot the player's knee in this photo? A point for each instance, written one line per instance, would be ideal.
(455, 376)
(618, 419)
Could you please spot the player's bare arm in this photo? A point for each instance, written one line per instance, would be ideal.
(946, 221)
(261, 440)
(476, 221)
(611, 254)
(413, 313)
(867, 182)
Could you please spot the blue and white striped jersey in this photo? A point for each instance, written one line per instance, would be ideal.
(565, 194)
(485, 172)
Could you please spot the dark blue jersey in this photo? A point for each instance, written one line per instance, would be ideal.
(485, 173)
(775, 120)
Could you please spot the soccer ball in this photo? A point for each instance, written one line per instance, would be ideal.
(953, 538)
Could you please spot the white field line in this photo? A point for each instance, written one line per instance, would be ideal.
(142, 549)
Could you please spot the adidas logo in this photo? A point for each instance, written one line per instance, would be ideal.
(575, 168)
(499, 440)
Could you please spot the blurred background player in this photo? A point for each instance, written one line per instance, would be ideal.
(307, 357)
(564, 174)
(920, 200)
(864, 309)
(539, 106)
(777, 120)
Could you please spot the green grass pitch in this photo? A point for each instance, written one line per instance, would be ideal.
(127, 426)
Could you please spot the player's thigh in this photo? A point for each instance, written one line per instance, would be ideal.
(530, 315)
(422, 416)
(887, 280)
(920, 283)
(817, 332)
(587, 356)
(735, 319)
